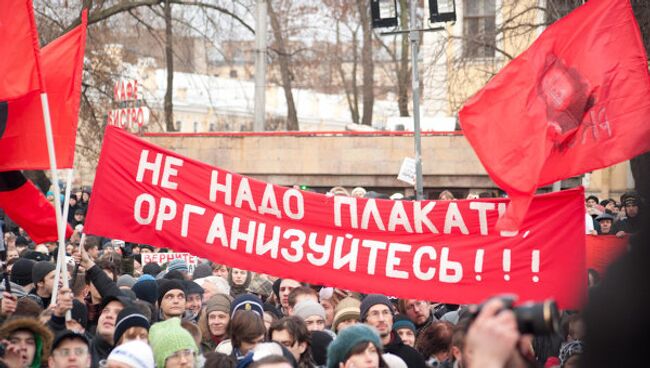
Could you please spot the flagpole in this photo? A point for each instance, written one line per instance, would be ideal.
(55, 179)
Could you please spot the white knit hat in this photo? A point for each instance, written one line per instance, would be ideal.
(135, 354)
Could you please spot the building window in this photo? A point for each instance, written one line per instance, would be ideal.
(179, 125)
(213, 127)
(196, 127)
(556, 9)
(479, 28)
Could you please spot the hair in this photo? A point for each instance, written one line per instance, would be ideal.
(27, 307)
(91, 242)
(271, 359)
(246, 326)
(219, 360)
(78, 284)
(104, 264)
(592, 197)
(361, 347)
(216, 266)
(193, 329)
(458, 337)
(401, 305)
(300, 290)
(434, 339)
(297, 328)
(447, 194)
(486, 195)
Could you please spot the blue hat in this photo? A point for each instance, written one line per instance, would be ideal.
(247, 302)
(146, 289)
(402, 321)
(177, 265)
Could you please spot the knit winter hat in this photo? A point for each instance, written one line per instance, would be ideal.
(320, 341)
(177, 265)
(127, 318)
(79, 312)
(151, 269)
(168, 337)
(126, 280)
(192, 287)
(401, 321)
(21, 272)
(168, 285)
(373, 299)
(308, 308)
(218, 302)
(348, 308)
(146, 290)
(347, 340)
(247, 302)
(202, 270)
(41, 269)
(135, 354)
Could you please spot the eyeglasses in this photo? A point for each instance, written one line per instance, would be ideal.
(65, 352)
(186, 353)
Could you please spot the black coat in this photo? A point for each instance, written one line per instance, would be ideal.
(410, 356)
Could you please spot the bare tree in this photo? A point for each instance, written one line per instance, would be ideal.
(169, 59)
(367, 62)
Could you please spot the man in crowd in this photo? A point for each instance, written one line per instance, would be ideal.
(27, 343)
(286, 286)
(418, 311)
(194, 299)
(43, 278)
(103, 342)
(70, 350)
(171, 299)
(632, 223)
(605, 220)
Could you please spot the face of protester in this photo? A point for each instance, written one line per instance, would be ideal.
(135, 250)
(418, 311)
(25, 344)
(380, 317)
(46, 286)
(284, 337)
(605, 226)
(368, 358)
(218, 322)
(247, 346)
(145, 250)
(239, 276)
(173, 303)
(222, 271)
(134, 333)
(70, 353)
(181, 359)
(407, 335)
(85, 197)
(194, 303)
(79, 217)
(11, 254)
(107, 319)
(93, 252)
(591, 202)
(632, 210)
(268, 320)
(315, 323)
(329, 311)
(285, 288)
(346, 323)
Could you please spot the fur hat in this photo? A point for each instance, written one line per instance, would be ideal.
(347, 340)
(42, 336)
(373, 299)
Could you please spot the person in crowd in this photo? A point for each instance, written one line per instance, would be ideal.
(194, 299)
(312, 313)
(246, 330)
(434, 343)
(347, 313)
(261, 287)
(605, 221)
(633, 221)
(404, 327)
(248, 302)
(102, 343)
(329, 298)
(179, 265)
(213, 322)
(377, 311)
(132, 354)
(21, 273)
(146, 288)
(79, 217)
(212, 285)
(418, 311)
(146, 248)
(219, 360)
(70, 349)
(126, 282)
(272, 361)
(446, 195)
(171, 300)
(27, 343)
(220, 270)
(172, 345)
(92, 247)
(239, 281)
(299, 294)
(131, 325)
(293, 334)
(356, 346)
(285, 287)
(43, 280)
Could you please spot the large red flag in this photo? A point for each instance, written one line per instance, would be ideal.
(577, 100)
(19, 69)
(28, 207)
(23, 144)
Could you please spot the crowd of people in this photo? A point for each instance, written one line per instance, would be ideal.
(117, 312)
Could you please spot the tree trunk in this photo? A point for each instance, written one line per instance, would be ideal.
(367, 62)
(169, 58)
(350, 87)
(283, 58)
(403, 75)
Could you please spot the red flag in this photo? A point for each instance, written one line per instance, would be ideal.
(19, 66)
(577, 100)
(23, 144)
(28, 207)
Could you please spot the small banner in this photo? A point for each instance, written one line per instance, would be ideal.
(435, 250)
(603, 250)
(162, 258)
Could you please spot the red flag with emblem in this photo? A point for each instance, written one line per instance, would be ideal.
(577, 100)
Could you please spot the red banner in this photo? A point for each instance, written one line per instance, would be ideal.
(437, 250)
(603, 250)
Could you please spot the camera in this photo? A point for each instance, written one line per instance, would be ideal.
(532, 318)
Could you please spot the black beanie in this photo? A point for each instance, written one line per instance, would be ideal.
(41, 269)
(79, 312)
(167, 285)
(152, 269)
(146, 290)
(320, 341)
(21, 272)
(127, 318)
(373, 299)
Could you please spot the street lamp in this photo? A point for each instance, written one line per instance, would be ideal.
(442, 11)
(384, 13)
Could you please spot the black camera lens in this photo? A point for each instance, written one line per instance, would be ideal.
(538, 318)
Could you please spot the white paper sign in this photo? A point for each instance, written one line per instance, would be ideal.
(407, 171)
(162, 258)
